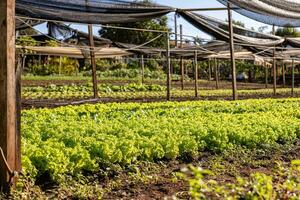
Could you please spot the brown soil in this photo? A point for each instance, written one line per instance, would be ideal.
(165, 188)
(176, 84)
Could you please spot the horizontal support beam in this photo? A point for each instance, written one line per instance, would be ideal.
(207, 9)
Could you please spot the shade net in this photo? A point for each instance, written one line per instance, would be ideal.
(219, 30)
(66, 33)
(90, 11)
(274, 12)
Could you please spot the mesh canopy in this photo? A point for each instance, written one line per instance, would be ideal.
(90, 11)
(219, 30)
(293, 42)
(274, 12)
(66, 33)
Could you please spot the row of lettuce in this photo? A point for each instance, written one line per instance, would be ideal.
(69, 140)
(133, 91)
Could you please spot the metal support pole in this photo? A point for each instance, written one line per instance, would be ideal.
(274, 68)
(196, 73)
(293, 77)
(8, 111)
(143, 69)
(232, 56)
(168, 67)
(181, 58)
(93, 61)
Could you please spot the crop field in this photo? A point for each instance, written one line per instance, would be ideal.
(95, 151)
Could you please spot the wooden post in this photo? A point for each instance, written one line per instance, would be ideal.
(274, 68)
(93, 61)
(40, 60)
(168, 66)
(293, 77)
(181, 58)
(232, 56)
(8, 110)
(60, 64)
(18, 111)
(175, 28)
(266, 75)
(209, 70)
(283, 74)
(196, 74)
(143, 69)
(217, 73)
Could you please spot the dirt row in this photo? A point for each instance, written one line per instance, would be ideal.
(176, 84)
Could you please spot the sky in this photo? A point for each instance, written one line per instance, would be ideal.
(188, 29)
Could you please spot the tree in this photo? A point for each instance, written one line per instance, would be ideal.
(287, 32)
(237, 29)
(138, 37)
(262, 29)
(238, 23)
(28, 31)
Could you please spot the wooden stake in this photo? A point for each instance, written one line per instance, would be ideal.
(181, 58)
(8, 110)
(93, 61)
(232, 56)
(283, 74)
(209, 70)
(143, 69)
(168, 63)
(175, 28)
(217, 73)
(293, 77)
(274, 68)
(40, 60)
(196, 74)
(266, 76)
(18, 111)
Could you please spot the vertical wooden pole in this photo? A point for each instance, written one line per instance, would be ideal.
(266, 75)
(274, 68)
(60, 63)
(232, 56)
(143, 69)
(24, 61)
(217, 73)
(176, 30)
(181, 58)
(40, 60)
(283, 74)
(293, 77)
(168, 66)
(93, 61)
(18, 111)
(196, 73)
(8, 111)
(209, 70)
